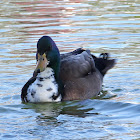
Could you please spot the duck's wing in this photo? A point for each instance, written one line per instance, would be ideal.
(77, 64)
(75, 52)
(25, 88)
(81, 79)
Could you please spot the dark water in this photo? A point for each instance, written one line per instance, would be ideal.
(100, 25)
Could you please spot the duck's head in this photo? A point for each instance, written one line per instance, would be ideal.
(47, 55)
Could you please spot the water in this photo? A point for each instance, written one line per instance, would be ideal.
(99, 25)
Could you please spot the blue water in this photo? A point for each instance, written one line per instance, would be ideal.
(101, 26)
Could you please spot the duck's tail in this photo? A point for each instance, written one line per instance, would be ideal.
(103, 63)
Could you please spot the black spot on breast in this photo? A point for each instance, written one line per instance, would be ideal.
(47, 77)
(54, 82)
(54, 97)
(33, 93)
(40, 85)
(49, 89)
(51, 75)
(40, 79)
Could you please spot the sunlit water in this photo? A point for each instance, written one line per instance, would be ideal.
(99, 25)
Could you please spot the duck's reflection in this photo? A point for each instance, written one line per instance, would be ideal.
(54, 114)
(49, 112)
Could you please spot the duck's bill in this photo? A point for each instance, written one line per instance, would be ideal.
(41, 64)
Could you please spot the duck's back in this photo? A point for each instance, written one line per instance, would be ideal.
(81, 79)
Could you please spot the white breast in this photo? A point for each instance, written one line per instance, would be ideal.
(43, 88)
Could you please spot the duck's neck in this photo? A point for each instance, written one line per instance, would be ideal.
(55, 65)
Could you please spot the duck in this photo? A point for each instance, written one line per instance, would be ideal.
(76, 75)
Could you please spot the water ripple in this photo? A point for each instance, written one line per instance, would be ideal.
(98, 25)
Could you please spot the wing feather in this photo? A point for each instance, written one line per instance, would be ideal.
(75, 66)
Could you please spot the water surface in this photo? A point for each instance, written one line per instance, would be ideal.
(101, 26)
